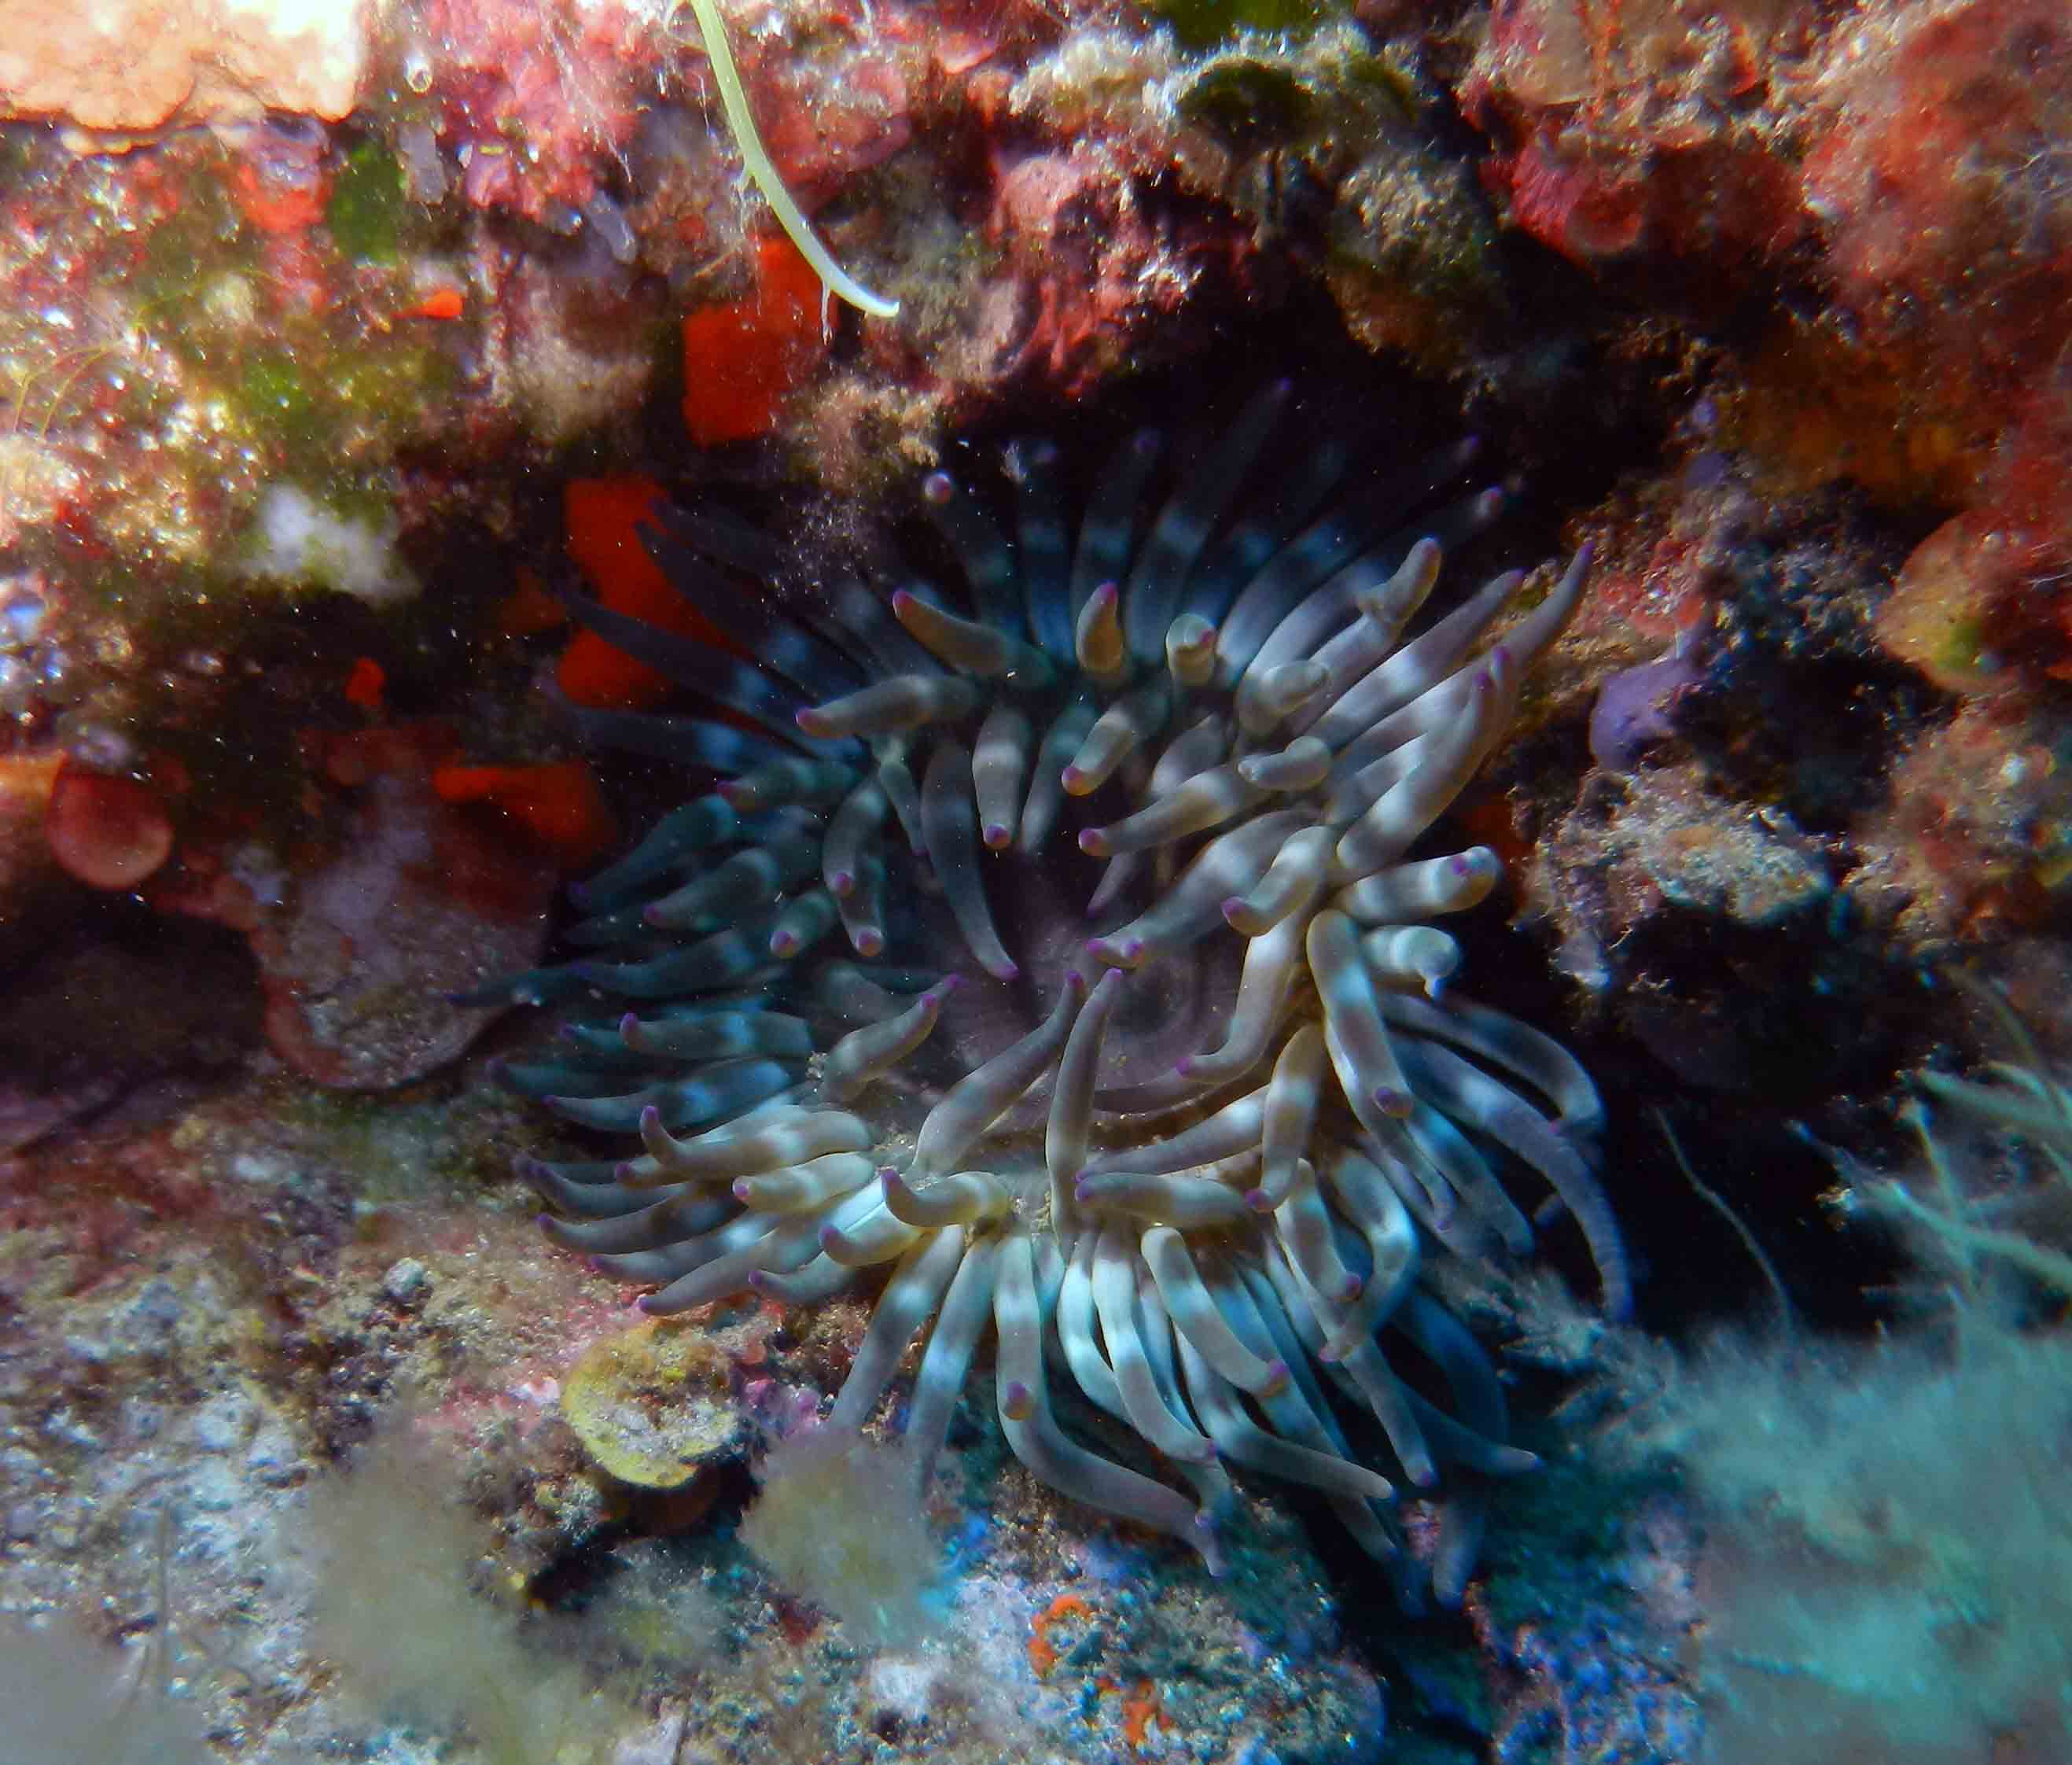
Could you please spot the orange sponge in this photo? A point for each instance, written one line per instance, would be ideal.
(557, 804)
(602, 514)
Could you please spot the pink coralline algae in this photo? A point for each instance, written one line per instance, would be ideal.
(1638, 131)
(541, 102)
(1974, 840)
(1918, 147)
(1938, 173)
(1908, 163)
(530, 98)
(1088, 264)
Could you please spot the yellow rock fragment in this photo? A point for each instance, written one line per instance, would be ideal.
(651, 1405)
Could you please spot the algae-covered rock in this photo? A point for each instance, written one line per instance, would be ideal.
(1200, 24)
(652, 1406)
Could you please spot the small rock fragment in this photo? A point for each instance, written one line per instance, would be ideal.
(407, 1283)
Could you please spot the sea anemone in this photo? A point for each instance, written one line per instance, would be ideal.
(837, 1058)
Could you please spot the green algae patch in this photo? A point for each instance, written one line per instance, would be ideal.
(274, 394)
(1249, 103)
(650, 1406)
(1202, 24)
(394, 390)
(369, 207)
(196, 237)
(340, 409)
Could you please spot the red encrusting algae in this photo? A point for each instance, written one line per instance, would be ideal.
(108, 831)
(364, 686)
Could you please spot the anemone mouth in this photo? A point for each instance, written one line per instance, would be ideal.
(1169, 1012)
(1061, 947)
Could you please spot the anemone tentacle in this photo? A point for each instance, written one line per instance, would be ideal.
(1225, 709)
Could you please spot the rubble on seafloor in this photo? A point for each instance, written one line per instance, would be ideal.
(301, 1398)
(323, 329)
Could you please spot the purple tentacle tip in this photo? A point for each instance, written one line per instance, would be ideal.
(1391, 1101)
(995, 835)
(651, 1119)
(1259, 1201)
(741, 1188)
(1093, 842)
(840, 882)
